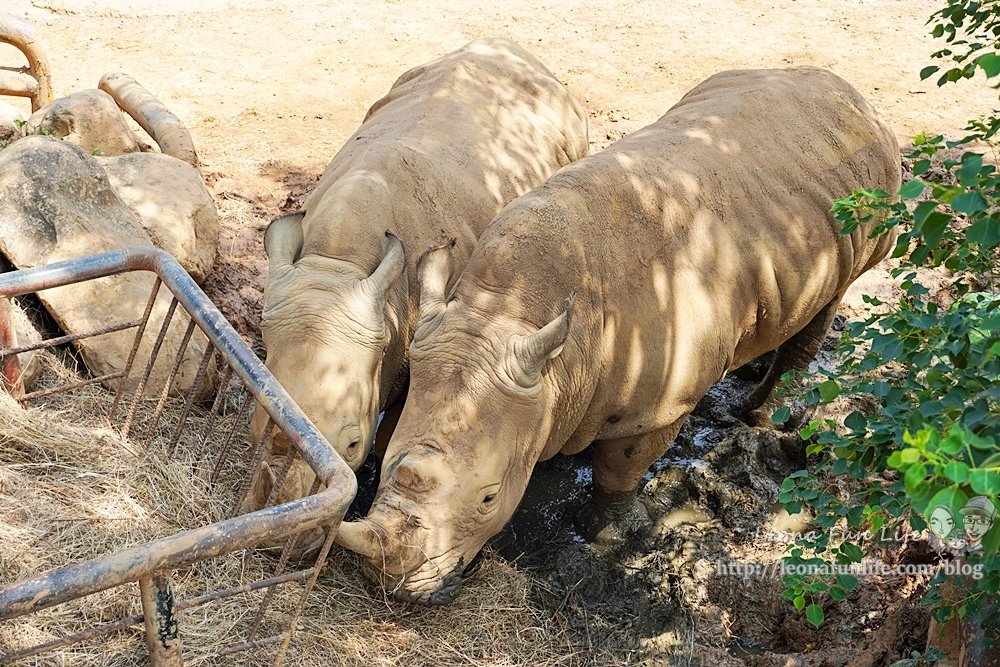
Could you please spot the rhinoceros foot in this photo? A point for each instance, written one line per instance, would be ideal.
(609, 518)
(761, 417)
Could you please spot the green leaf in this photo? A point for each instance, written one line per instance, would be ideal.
(912, 189)
(985, 482)
(914, 476)
(991, 540)
(985, 232)
(838, 593)
(927, 71)
(952, 499)
(852, 552)
(922, 210)
(957, 471)
(847, 581)
(799, 602)
(990, 64)
(933, 228)
(856, 421)
(814, 614)
(909, 455)
(969, 203)
(829, 390)
(781, 415)
(968, 175)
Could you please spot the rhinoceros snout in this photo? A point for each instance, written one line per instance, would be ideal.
(449, 589)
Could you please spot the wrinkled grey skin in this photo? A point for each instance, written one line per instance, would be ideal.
(434, 161)
(690, 247)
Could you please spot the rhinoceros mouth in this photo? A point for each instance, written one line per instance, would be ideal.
(430, 589)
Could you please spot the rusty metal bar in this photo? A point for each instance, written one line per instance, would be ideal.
(268, 392)
(140, 332)
(228, 444)
(279, 480)
(10, 366)
(21, 35)
(128, 621)
(199, 377)
(258, 456)
(42, 393)
(214, 413)
(169, 553)
(322, 510)
(160, 618)
(165, 394)
(246, 646)
(62, 340)
(140, 388)
(298, 575)
(279, 569)
(68, 640)
(317, 568)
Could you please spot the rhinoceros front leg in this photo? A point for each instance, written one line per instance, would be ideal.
(796, 353)
(614, 510)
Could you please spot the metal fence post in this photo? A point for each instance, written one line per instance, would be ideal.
(160, 619)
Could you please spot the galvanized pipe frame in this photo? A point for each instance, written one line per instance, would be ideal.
(143, 563)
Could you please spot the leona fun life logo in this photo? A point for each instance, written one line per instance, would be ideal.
(967, 528)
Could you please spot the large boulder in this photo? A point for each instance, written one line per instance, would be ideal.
(90, 119)
(57, 203)
(170, 200)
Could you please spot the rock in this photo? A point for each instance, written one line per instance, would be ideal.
(11, 119)
(90, 119)
(169, 198)
(57, 203)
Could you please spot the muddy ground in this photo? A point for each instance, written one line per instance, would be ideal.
(271, 90)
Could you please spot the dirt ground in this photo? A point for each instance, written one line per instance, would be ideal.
(270, 91)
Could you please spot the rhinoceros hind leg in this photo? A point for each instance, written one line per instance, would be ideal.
(796, 354)
(614, 510)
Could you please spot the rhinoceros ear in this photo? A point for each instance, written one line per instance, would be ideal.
(389, 270)
(434, 269)
(529, 354)
(283, 239)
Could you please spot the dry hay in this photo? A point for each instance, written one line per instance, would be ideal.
(72, 489)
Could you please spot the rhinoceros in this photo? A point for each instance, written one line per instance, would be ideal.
(435, 159)
(689, 247)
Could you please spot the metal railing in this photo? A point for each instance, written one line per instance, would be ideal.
(151, 564)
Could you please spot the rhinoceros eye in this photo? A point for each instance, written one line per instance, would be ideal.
(354, 445)
(489, 498)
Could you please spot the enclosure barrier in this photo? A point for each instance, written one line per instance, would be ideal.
(33, 81)
(152, 564)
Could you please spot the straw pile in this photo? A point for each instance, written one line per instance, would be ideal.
(72, 489)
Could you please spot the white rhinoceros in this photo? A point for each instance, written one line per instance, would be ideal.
(691, 246)
(432, 163)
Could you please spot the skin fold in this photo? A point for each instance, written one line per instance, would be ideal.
(434, 161)
(600, 307)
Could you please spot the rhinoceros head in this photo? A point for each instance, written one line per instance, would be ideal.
(326, 334)
(477, 416)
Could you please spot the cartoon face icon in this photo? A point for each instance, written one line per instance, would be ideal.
(941, 521)
(977, 517)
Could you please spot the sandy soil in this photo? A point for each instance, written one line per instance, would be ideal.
(270, 91)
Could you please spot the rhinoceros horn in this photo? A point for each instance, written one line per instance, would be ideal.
(360, 538)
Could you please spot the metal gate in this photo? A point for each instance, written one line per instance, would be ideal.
(153, 564)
